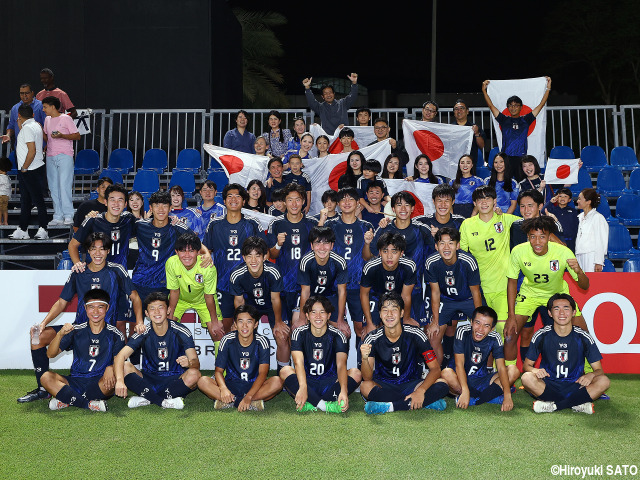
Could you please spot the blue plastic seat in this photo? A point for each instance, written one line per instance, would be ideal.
(113, 174)
(628, 209)
(219, 177)
(604, 209)
(624, 158)
(146, 181)
(155, 159)
(480, 159)
(185, 179)
(562, 152)
(492, 154)
(87, 162)
(584, 181)
(189, 159)
(634, 181)
(632, 265)
(483, 172)
(610, 182)
(620, 245)
(608, 266)
(14, 162)
(121, 159)
(593, 158)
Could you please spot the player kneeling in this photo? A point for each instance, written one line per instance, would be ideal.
(473, 346)
(319, 379)
(244, 355)
(94, 344)
(170, 365)
(560, 382)
(392, 358)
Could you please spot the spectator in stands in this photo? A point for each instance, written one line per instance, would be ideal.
(60, 132)
(305, 146)
(299, 127)
(278, 206)
(346, 137)
(260, 146)
(381, 130)
(391, 168)
(567, 216)
(515, 128)
(461, 117)
(97, 205)
(322, 144)
(209, 208)
(464, 184)
(188, 216)
(257, 196)
(429, 111)
(423, 171)
(533, 181)
(502, 180)
(31, 174)
(26, 98)
(240, 138)
(363, 117)
(277, 138)
(276, 182)
(355, 161)
(48, 82)
(136, 205)
(5, 190)
(592, 240)
(332, 112)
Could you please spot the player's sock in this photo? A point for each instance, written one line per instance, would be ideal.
(447, 347)
(69, 396)
(523, 353)
(358, 353)
(136, 383)
(40, 362)
(352, 385)
(177, 388)
(435, 392)
(291, 385)
(492, 391)
(280, 365)
(135, 358)
(576, 398)
(400, 405)
(378, 394)
(94, 392)
(548, 396)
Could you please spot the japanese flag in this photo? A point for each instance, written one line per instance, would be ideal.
(263, 218)
(531, 91)
(240, 167)
(444, 144)
(421, 192)
(561, 171)
(363, 137)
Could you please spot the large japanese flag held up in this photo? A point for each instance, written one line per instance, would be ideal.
(325, 172)
(531, 91)
(561, 171)
(444, 144)
(240, 167)
(363, 137)
(421, 192)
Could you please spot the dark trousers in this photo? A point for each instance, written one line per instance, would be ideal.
(31, 194)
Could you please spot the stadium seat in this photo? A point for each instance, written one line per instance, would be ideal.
(610, 182)
(219, 177)
(605, 210)
(14, 162)
(634, 181)
(121, 159)
(608, 266)
(146, 181)
(628, 210)
(632, 265)
(189, 159)
(562, 152)
(584, 181)
(185, 179)
(624, 158)
(593, 158)
(480, 159)
(492, 154)
(65, 262)
(155, 159)
(87, 162)
(483, 172)
(620, 245)
(113, 174)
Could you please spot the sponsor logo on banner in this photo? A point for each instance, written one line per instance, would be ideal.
(476, 357)
(245, 363)
(499, 227)
(317, 354)
(554, 265)
(94, 350)
(163, 353)
(563, 355)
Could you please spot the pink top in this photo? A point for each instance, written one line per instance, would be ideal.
(65, 101)
(63, 124)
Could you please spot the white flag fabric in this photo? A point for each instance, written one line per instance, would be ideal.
(83, 121)
(325, 172)
(240, 167)
(444, 144)
(421, 192)
(562, 171)
(363, 137)
(531, 91)
(263, 218)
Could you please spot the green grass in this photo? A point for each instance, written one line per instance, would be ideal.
(198, 442)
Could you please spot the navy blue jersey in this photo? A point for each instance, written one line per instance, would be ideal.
(159, 354)
(274, 186)
(190, 217)
(475, 353)
(242, 363)
(323, 279)
(454, 280)
(319, 352)
(563, 357)
(400, 361)
(296, 245)
(256, 291)
(380, 281)
(302, 179)
(92, 352)
(363, 185)
(349, 244)
(206, 214)
(120, 233)
(372, 218)
(514, 133)
(517, 235)
(430, 221)
(112, 278)
(155, 247)
(225, 240)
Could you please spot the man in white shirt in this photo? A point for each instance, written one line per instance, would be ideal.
(31, 174)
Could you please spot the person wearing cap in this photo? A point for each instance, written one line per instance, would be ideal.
(461, 117)
(332, 112)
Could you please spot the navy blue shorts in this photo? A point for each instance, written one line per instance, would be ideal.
(402, 389)
(561, 389)
(159, 382)
(88, 385)
(418, 310)
(544, 316)
(290, 302)
(375, 314)
(454, 311)
(271, 317)
(125, 309)
(478, 383)
(143, 291)
(354, 305)
(239, 388)
(225, 300)
(322, 386)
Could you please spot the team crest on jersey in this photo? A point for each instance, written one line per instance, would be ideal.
(115, 235)
(295, 239)
(390, 285)
(395, 358)
(233, 240)
(155, 242)
(472, 183)
(244, 363)
(94, 286)
(450, 281)
(563, 355)
(348, 239)
(94, 350)
(499, 227)
(199, 278)
(317, 354)
(476, 357)
(322, 280)
(163, 353)
(258, 292)
(554, 265)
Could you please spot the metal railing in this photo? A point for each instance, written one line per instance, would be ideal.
(630, 126)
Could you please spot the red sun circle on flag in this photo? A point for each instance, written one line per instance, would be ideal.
(232, 163)
(525, 109)
(429, 143)
(337, 147)
(419, 208)
(335, 175)
(563, 171)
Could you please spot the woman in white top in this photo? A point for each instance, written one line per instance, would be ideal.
(593, 232)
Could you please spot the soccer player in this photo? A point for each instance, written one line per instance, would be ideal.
(486, 237)
(392, 358)
(390, 272)
(560, 382)
(94, 344)
(468, 376)
(242, 366)
(224, 237)
(319, 379)
(543, 264)
(530, 203)
(209, 207)
(193, 287)
(170, 365)
(454, 280)
(443, 196)
(324, 272)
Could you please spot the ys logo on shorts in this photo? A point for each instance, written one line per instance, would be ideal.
(317, 354)
(395, 358)
(499, 227)
(94, 350)
(163, 353)
(563, 355)
(554, 265)
(244, 363)
(476, 357)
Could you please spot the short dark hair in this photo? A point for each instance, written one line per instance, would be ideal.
(93, 237)
(564, 191)
(348, 192)
(543, 223)
(346, 132)
(329, 195)
(327, 86)
(380, 119)
(96, 294)
(375, 183)
(246, 308)
(53, 101)
(323, 234)
(210, 184)
(394, 297)
(514, 99)
(561, 296)
(118, 187)
(294, 187)
(235, 186)
(443, 190)
(277, 195)
(188, 239)
(483, 191)
(156, 297)
(534, 194)
(363, 109)
(459, 100)
(432, 103)
(452, 232)
(48, 71)
(373, 166)
(393, 239)
(25, 111)
(25, 85)
(274, 160)
(487, 312)
(160, 197)
(5, 164)
(254, 244)
(244, 112)
(311, 301)
(295, 155)
(402, 195)
(103, 180)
